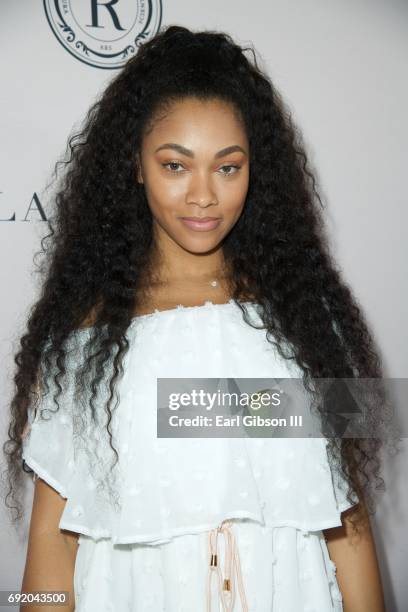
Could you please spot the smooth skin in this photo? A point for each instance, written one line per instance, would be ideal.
(194, 162)
(358, 573)
(194, 176)
(51, 552)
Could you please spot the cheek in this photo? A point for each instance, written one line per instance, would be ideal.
(234, 195)
(162, 194)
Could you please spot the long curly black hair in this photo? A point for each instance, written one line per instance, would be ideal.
(98, 249)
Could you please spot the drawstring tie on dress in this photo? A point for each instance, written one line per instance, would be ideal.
(226, 586)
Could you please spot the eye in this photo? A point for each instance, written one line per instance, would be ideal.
(172, 164)
(236, 167)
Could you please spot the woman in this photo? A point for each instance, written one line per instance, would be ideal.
(142, 285)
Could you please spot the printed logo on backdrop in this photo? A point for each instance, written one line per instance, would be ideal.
(103, 33)
(34, 210)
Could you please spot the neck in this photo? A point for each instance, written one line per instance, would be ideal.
(171, 264)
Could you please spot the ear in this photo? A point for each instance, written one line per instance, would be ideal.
(139, 176)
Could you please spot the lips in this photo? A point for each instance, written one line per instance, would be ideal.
(200, 219)
(201, 224)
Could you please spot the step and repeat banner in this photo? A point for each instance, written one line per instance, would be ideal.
(341, 67)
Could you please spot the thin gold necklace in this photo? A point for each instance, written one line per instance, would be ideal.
(214, 282)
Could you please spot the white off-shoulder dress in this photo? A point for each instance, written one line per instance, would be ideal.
(199, 518)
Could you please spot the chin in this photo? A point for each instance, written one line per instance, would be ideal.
(199, 246)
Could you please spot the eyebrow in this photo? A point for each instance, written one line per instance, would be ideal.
(189, 153)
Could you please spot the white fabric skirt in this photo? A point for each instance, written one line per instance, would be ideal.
(282, 569)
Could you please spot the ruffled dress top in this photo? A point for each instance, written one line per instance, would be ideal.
(203, 524)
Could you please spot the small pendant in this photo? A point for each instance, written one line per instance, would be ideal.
(214, 283)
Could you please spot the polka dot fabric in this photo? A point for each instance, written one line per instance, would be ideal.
(152, 554)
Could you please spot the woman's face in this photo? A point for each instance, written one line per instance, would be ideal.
(195, 163)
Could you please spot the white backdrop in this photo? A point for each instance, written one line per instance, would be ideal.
(342, 68)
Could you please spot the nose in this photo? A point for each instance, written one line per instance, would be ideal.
(201, 191)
